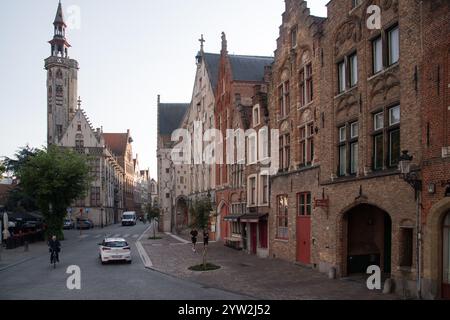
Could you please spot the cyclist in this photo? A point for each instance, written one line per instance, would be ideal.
(54, 246)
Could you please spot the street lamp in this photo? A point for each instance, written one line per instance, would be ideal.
(412, 178)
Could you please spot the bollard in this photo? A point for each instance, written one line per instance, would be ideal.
(26, 246)
(332, 273)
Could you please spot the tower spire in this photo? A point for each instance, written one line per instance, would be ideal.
(224, 43)
(59, 44)
(59, 18)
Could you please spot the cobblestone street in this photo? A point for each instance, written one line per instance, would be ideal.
(256, 277)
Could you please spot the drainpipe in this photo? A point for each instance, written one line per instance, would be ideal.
(419, 244)
(419, 192)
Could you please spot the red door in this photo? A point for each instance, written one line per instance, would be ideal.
(253, 239)
(304, 239)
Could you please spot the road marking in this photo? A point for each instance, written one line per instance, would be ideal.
(126, 236)
(144, 256)
(177, 237)
(142, 253)
(135, 236)
(116, 235)
(83, 236)
(98, 236)
(145, 232)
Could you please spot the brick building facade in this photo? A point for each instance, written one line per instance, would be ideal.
(294, 109)
(434, 94)
(347, 101)
(234, 103)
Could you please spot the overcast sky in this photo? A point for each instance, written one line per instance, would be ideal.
(129, 52)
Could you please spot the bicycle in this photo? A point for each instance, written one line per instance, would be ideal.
(53, 258)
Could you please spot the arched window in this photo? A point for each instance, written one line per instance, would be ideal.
(59, 74)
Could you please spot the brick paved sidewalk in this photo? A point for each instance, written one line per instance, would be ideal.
(246, 274)
(13, 256)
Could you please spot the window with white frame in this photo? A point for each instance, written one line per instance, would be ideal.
(347, 72)
(252, 148)
(386, 136)
(263, 144)
(256, 115)
(393, 45)
(386, 49)
(348, 149)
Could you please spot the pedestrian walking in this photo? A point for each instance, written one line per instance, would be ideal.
(205, 237)
(194, 235)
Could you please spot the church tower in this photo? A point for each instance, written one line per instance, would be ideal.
(61, 82)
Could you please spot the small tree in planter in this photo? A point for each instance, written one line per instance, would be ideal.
(200, 213)
(153, 214)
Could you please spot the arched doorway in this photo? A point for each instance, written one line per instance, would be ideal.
(182, 218)
(367, 239)
(446, 256)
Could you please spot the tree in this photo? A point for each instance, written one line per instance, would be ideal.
(200, 212)
(18, 200)
(22, 156)
(54, 177)
(2, 169)
(153, 214)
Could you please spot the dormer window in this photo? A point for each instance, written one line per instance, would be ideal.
(294, 31)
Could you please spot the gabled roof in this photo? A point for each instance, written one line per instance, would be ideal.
(212, 61)
(170, 116)
(249, 68)
(117, 142)
(72, 124)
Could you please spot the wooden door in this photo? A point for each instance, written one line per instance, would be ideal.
(253, 237)
(304, 239)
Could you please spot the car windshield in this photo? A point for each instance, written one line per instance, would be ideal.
(128, 216)
(115, 244)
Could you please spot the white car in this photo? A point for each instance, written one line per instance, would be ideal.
(114, 249)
